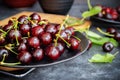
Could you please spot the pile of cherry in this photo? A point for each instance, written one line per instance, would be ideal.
(30, 38)
(110, 13)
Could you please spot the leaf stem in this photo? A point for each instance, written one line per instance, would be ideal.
(107, 34)
(89, 4)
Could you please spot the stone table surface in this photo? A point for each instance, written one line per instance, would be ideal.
(76, 69)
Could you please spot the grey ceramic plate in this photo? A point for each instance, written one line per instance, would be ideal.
(67, 55)
(18, 73)
(105, 20)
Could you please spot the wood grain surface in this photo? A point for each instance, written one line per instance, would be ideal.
(53, 18)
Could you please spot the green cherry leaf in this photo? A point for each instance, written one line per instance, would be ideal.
(95, 10)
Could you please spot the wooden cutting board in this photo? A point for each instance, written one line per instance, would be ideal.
(53, 18)
(50, 17)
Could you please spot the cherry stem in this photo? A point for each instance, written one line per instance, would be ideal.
(28, 34)
(10, 64)
(61, 25)
(16, 39)
(116, 53)
(82, 20)
(107, 34)
(9, 48)
(63, 40)
(2, 31)
(4, 55)
(42, 22)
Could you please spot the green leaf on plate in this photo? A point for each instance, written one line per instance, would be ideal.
(95, 10)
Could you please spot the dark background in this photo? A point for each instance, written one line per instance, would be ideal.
(76, 69)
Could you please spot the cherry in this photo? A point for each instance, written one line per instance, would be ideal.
(14, 34)
(24, 40)
(117, 36)
(24, 57)
(2, 52)
(23, 19)
(64, 35)
(2, 39)
(111, 30)
(107, 10)
(50, 28)
(60, 47)
(58, 27)
(70, 30)
(74, 43)
(33, 42)
(37, 30)
(10, 22)
(107, 47)
(100, 15)
(38, 54)
(118, 9)
(46, 38)
(22, 47)
(25, 29)
(52, 52)
(7, 27)
(35, 17)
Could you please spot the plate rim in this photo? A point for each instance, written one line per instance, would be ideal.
(105, 20)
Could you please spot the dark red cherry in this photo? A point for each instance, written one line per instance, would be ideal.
(52, 52)
(70, 30)
(33, 42)
(50, 28)
(100, 15)
(24, 40)
(117, 36)
(58, 27)
(38, 54)
(107, 47)
(14, 34)
(36, 17)
(37, 30)
(25, 29)
(111, 30)
(46, 38)
(108, 16)
(64, 35)
(114, 14)
(24, 57)
(10, 22)
(7, 27)
(74, 44)
(2, 39)
(23, 19)
(60, 47)
(90, 44)
(118, 9)
(22, 47)
(107, 10)
(2, 52)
